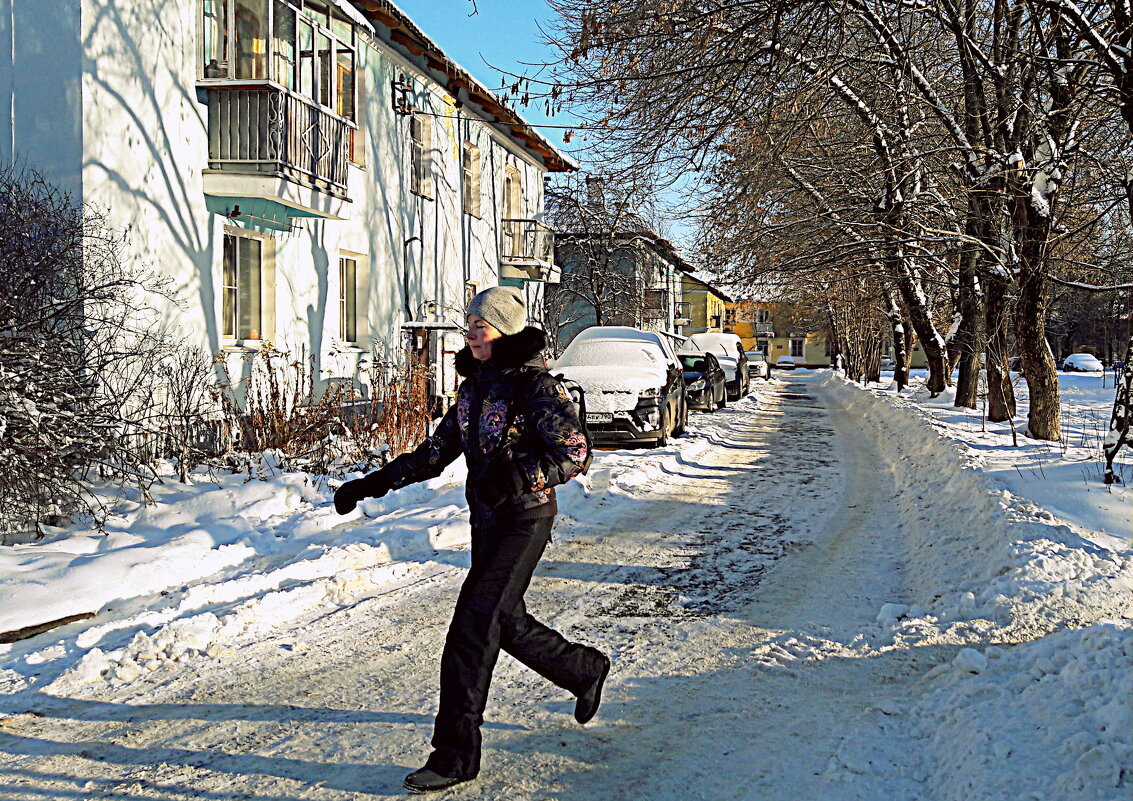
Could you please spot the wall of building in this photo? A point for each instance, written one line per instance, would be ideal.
(106, 102)
(41, 87)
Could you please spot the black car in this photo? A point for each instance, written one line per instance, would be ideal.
(706, 383)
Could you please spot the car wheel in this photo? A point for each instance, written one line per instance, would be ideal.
(723, 402)
(663, 438)
(710, 401)
(679, 432)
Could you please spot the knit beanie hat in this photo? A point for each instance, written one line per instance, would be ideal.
(502, 307)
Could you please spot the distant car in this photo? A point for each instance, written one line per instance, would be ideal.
(729, 351)
(757, 363)
(887, 363)
(785, 363)
(1082, 363)
(634, 395)
(705, 381)
(1015, 364)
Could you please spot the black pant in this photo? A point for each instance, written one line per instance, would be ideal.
(490, 615)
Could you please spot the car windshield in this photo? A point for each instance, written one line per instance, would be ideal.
(710, 341)
(694, 363)
(611, 352)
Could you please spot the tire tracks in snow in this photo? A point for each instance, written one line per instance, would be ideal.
(731, 596)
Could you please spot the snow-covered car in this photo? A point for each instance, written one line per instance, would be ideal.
(705, 383)
(729, 351)
(785, 363)
(1082, 363)
(887, 363)
(757, 364)
(634, 395)
(669, 345)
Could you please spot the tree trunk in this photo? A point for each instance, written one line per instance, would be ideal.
(1043, 416)
(920, 317)
(1000, 392)
(967, 339)
(900, 343)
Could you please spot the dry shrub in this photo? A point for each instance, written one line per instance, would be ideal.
(278, 408)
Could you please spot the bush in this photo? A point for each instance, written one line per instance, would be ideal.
(78, 349)
(276, 407)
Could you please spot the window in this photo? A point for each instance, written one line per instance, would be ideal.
(302, 45)
(214, 37)
(283, 50)
(471, 164)
(513, 194)
(797, 346)
(347, 299)
(513, 212)
(251, 38)
(241, 312)
(420, 137)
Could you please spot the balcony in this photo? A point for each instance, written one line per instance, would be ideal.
(682, 313)
(527, 251)
(763, 330)
(271, 144)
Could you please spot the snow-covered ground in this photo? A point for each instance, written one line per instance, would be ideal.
(845, 592)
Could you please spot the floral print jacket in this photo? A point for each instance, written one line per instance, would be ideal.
(516, 427)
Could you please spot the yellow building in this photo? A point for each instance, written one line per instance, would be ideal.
(707, 305)
(778, 329)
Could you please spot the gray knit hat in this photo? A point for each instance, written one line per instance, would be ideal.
(502, 307)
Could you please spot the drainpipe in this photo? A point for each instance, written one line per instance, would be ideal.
(405, 275)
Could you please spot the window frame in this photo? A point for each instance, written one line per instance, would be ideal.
(801, 342)
(264, 289)
(471, 171)
(420, 155)
(348, 298)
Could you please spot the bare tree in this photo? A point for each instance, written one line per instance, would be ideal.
(972, 116)
(78, 353)
(605, 246)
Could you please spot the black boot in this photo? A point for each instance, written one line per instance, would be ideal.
(587, 705)
(427, 780)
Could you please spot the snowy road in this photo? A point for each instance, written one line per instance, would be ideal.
(738, 597)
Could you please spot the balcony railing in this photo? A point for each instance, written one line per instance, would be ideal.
(527, 246)
(763, 329)
(263, 129)
(527, 240)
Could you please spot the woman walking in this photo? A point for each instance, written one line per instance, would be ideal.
(520, 437)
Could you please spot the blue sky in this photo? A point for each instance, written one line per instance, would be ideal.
(503, 33)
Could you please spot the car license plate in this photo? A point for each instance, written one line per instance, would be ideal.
(599, 417)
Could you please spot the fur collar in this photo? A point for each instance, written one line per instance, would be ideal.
(509, 351)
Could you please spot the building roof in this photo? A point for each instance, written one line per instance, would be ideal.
(578, 221)
(707, 287)
(395, 28)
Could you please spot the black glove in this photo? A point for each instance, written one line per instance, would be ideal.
(347, 496)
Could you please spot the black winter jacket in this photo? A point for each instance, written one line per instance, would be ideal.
(511, 473)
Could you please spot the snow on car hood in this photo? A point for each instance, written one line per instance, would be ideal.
(613, 388)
